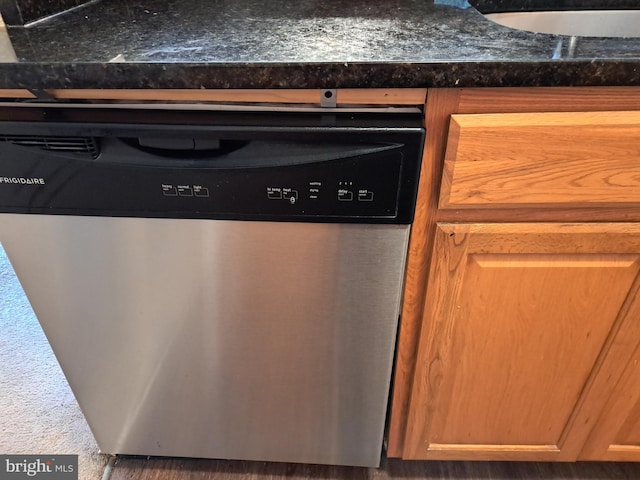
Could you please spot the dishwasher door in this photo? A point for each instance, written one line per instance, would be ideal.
(213, 338)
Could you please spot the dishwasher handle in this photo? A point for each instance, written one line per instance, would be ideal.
(207, 153)
(182, 149)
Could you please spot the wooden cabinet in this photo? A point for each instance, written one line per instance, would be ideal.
(542, 159)
(615, 435)
(520, 331)
(519, 320)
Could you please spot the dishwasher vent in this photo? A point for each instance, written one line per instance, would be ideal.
(85, 146)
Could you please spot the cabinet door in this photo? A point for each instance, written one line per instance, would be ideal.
(516, 318)
(584, 158)
(616, 434)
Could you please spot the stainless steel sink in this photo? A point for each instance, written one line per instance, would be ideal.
(582, 23)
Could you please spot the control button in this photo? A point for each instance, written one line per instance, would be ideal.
(200, 191)
(185, 191)
(289, 194)
(365, 195)
(274, 193)
(345, 195)
(169, 190)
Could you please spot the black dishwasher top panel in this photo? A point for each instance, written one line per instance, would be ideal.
(212, 165)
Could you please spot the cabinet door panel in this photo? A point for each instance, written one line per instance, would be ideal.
(516, 317)
(527, 324)
(630, 431)
(542, 159)
(616, 432)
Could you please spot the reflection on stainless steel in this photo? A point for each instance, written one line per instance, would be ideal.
(583, 23)
(266, 341)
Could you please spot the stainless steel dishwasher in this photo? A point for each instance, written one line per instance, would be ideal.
(221, 285)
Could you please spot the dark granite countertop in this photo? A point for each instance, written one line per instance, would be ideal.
(301, 44)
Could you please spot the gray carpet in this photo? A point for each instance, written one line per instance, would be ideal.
(38, 412)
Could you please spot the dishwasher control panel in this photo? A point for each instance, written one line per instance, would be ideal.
(366, 187)
(276, 173)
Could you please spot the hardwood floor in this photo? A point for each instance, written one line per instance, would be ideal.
(130, 468)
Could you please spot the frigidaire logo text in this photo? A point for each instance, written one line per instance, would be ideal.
(22, 180)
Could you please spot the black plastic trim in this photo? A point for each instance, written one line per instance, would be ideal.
(373, 179)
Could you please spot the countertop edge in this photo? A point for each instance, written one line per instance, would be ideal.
(319, 75)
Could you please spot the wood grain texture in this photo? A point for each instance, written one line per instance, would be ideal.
(513, 311)
(379, 96)
(616, 435)
(16, 93)
(546, 159)
(230, 95)
(599, 414)
(190, 469)
(548, 99)
(551, 99)
(518, 338)
(614, 427)
(408, 96)
(618, 213)
(503, 100)
(440, 105)
(629, 433)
